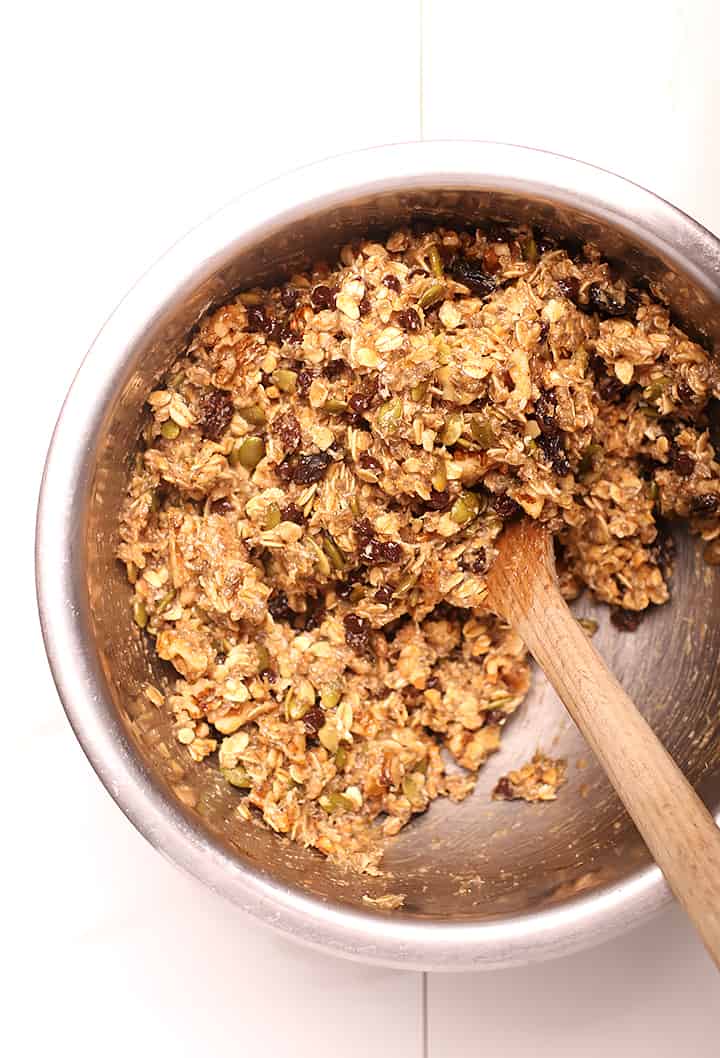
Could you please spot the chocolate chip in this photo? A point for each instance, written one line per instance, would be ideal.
(357, 633)
(289, 297)
(626, 620)
(215, 413)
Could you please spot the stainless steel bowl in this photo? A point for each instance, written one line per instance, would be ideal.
(487, 884)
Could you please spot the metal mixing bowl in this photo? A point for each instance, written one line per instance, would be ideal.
(486, 884)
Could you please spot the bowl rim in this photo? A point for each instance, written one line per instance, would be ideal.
(397, 941)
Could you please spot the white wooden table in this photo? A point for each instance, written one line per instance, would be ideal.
(123, 126)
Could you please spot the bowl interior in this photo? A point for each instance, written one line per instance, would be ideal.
(478, 860)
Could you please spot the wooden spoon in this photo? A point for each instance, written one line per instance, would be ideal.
(674, 823)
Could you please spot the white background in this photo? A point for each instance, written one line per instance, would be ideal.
(122, 126)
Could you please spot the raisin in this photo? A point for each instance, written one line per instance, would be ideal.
(495, 232)
(573, 247)
(365, 305)
(364, 531)
(471, 274)
(357, 633)
(384, 594)
(309, 467)
(491, 261)
(278, 606)
(362, 400)
(280, 332)
(626, 620)
(475, 563)
(439, 501)
(546, 409)
(322, 297)
(334, 370)
(368, 462)
(681, 462)
(392, 283)
(409, 320)
(372, 550)
(313, 720)
(495, 716)
(289, 297)
(287, 429)
(608, 386)
(345, 587)
(544, 242)
(284, 471)
(505, 505)
(544, 331)
(292, 513)
(552, 446)
(314, 614)
(215, 413)
(304, 381)
(257, 320)
(223, 506)
(432, 684)
(569, 287)
(662, 551)
(685, 392)
(503, 789)
(706, 503)
(604, 304)
(381, 552)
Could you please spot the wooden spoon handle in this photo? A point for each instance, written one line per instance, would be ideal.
(674, 823)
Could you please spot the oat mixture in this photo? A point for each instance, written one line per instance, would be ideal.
(320, 490)
(538, 780)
